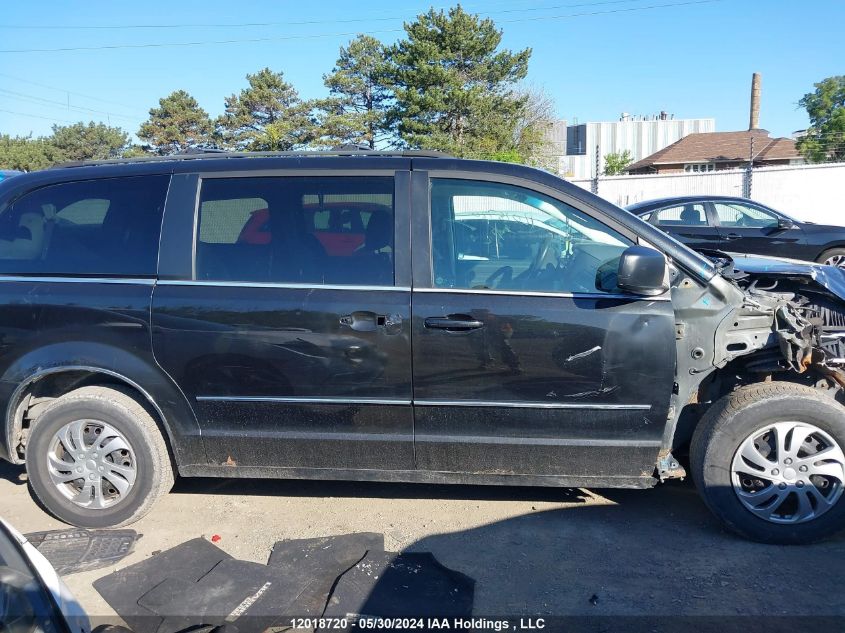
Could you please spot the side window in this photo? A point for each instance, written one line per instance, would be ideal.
(109, 226)
(496, 236)
(690, 214)
(743, 216)
(296, 230)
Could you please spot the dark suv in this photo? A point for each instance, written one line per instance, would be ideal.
(402, 317)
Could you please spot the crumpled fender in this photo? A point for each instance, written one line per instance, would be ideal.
(828, 277)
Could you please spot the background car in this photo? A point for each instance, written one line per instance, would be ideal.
(740, 225)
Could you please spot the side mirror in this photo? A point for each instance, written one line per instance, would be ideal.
(642, 271)
(785, 223)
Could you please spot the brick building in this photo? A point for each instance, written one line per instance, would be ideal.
(713, 151)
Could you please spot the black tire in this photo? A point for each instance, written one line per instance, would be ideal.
(128, 416)
(832, 252)
(725, 427)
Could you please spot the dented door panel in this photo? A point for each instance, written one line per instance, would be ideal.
(549, 385)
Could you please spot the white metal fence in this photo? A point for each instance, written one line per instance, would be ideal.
(815, 193)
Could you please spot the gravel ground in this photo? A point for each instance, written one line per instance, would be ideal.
(532, 551)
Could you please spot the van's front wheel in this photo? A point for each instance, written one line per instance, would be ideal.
(96, 458)
(768, 460)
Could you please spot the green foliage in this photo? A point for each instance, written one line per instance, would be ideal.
(266, 116)
(616, 162)
(177, 125)
(825, 139)
(26, 153)
(82, 141)
(79, 141)
(359, 94)
(507, 156)
(531, 140)
(453, 88)
(134, 151)
(446, 85)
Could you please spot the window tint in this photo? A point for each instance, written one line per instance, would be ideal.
(490, 235)
(297, 230)
(690, 214)
(740, 215)
(93, 227)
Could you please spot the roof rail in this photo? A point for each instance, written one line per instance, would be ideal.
(206, 154)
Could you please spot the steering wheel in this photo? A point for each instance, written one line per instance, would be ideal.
(504, 272)
(536, 265)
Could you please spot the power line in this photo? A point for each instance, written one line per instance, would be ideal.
(70, 92)
(324, 35)
(35, 99)
(35, 116)
(581, 15)
(187, 44)
(110, 27)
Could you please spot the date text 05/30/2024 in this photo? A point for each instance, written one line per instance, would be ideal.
(364, 622)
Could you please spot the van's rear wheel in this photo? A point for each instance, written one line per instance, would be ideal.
(96, 458)
(768, 460)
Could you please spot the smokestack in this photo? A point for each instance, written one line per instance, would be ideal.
(754, 121)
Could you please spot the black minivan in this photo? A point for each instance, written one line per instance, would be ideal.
(401, 317)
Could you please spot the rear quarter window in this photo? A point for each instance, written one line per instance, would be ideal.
(105, 227)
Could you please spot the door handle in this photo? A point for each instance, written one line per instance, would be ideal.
(367, 321)
(733, 236)
(363, 321)
(454, 323)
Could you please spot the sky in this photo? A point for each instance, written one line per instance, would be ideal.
(595, 58)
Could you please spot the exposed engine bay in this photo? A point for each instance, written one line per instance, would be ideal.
(806, 318)
(759, 320)
(808, 327)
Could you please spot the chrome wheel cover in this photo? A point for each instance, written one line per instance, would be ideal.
(92, 464)
(835, 260)
(788, 472)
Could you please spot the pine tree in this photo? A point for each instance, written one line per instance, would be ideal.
(177, 125)
(82, 141)
(266, 116)
(355, 112)
(454, 88)
(26, 153)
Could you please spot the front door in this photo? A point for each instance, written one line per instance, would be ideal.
(291, 336)
(746, 228)
(526, 359)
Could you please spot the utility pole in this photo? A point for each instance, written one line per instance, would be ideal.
(753, 125)
(749, 171)
(595, 187)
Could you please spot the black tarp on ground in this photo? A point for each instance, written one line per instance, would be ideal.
(75, 550)
(321, 560)
(402, 584)
(250, 596)
(187, 562)
(197, 584)
(345, 549)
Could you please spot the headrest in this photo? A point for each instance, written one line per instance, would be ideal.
(379, 231)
